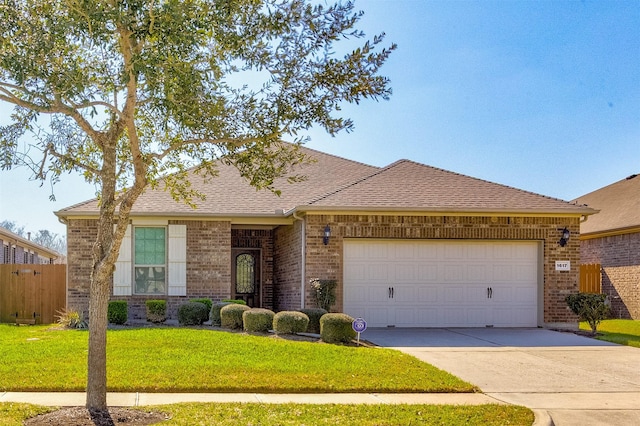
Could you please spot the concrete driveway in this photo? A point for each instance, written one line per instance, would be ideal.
(577, 380)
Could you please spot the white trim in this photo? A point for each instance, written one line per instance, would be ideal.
(177, 266)
(122, 282)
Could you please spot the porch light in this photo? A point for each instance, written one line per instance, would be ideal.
(565, 237)
(327, 234)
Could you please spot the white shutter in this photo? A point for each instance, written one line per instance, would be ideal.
(177, 260)
(122, 274)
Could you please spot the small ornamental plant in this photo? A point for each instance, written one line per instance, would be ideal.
(324, 293)
(117, 312)
(336, 328)
(156, 311)
(592, 308)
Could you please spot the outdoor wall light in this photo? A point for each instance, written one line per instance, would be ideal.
(327, 234)
(565, 236)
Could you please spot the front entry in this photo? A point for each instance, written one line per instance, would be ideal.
(245, 270)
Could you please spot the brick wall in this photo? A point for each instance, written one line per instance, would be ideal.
(619, 256)
(208, 266)
(287, 267)
(325, 262)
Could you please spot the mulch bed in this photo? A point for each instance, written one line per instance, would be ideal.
(80, 416)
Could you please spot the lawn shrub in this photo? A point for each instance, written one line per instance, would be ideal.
(215, 312)
(314, 315)
(117, 312)
(290, 322)
(156, 311)
(336, 328)
(70, 318)
(324, 292)
(192, 313)
(237, 301)
(257, 320)
(592, 308)
(207, 302)
(231, 316)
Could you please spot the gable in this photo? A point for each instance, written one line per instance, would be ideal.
(618, 205)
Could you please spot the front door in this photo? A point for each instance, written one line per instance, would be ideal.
(245, 270)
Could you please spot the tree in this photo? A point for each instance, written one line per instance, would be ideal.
(13, 227)
(592, 308)
(136, 90)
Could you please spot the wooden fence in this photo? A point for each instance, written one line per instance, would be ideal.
(32, 294)
(590, 278)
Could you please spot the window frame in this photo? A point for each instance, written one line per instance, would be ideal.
(134, 265)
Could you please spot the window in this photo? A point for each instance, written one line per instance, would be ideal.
(245, 274)
(150, 260)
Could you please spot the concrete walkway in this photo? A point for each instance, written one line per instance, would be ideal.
(134, 399)
(575, 379)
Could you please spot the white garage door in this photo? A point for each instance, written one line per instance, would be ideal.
(441, 283)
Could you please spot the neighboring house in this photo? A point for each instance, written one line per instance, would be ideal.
(612, 239)
(409, 245)
(16, 249)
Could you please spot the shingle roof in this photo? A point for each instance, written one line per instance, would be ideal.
(409, 185)
(335, 183)
(228, 194)
(619, 205)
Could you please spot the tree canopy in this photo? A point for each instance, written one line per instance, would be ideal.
(128, 91)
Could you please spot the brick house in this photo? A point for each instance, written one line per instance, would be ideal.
(612, 239)
(409, 245)
(19, 250)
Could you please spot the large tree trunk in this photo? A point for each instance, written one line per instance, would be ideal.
(97, 362)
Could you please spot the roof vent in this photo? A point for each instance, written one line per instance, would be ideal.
(631, 177)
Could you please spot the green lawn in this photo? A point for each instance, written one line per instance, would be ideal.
(40, 358)
(311, 414)
(624, 332)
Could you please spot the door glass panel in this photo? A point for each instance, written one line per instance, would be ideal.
(245, 274)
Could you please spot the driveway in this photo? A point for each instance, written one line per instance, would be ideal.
(577, 380)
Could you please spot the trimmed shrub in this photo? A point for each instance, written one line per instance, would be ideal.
(207, 302)
(117, 312)
(238, 301)
(156, 311)
(215, 312)
(257, 320)
(192, 313)
(290, 322)
(314, 315)
(336, 328)
(231, 316)
(591, 308)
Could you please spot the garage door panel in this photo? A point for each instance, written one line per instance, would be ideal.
(442, 283)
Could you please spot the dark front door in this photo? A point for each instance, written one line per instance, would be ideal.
(245, 270)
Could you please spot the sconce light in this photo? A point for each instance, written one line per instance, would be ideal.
(565, 236)
(327, 234)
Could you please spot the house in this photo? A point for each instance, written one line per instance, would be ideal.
(409, 246)
(16, 249)
(612, 239)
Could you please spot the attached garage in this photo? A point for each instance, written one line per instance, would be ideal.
(442, 283)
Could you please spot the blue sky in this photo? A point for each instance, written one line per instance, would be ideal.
(539, 95)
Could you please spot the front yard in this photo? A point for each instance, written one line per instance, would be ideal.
(42, 358)
(623, 332)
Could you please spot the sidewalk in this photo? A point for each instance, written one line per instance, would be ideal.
(134, 399)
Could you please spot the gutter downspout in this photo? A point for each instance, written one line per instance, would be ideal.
(303, 254)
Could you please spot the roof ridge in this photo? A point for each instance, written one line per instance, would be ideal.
(355, 182)
(402, 161)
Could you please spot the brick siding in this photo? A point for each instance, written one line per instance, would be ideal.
(288, 267)
(619, 257)
(325, 262)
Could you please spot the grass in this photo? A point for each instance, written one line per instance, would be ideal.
(623, 332)
(311, 414)
(39, 358)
